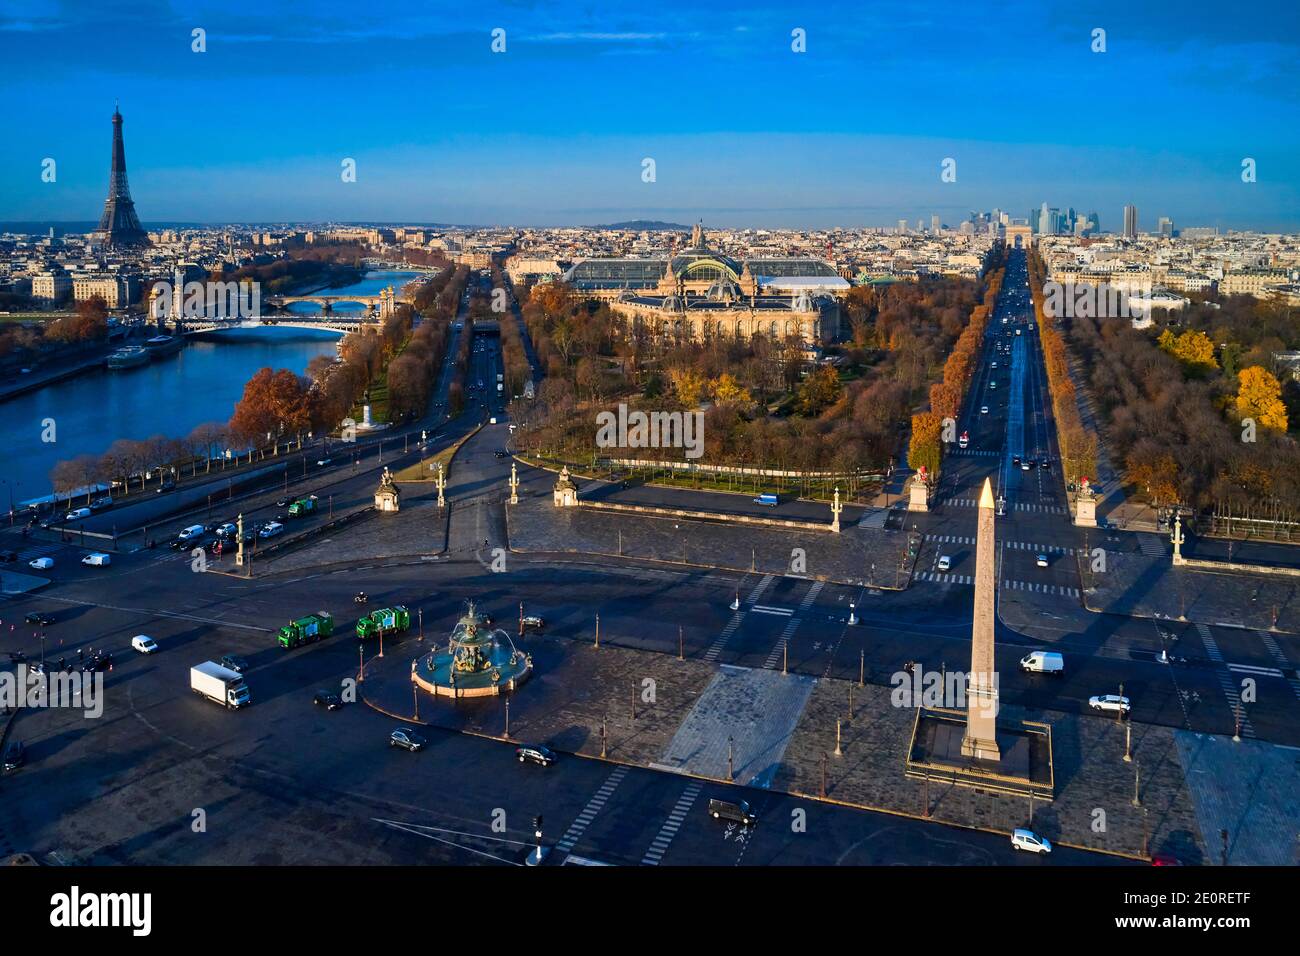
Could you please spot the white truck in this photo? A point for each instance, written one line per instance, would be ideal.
(219, 684)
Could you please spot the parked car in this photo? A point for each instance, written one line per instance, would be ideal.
(984, 409)
(535, 754)
(406, 738)
(735, 812)
(1110, 702)
(322, 462)
(227, 530)
(533, 623)
(167, 485)
(101, 504)
(144, 644)
(39, 618)
(1030, 842)
(270, 529)
(329, 700)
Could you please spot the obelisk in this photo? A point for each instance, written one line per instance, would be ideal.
(981, 740)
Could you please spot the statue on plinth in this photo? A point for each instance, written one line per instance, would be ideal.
(388, 497)
(566, 492)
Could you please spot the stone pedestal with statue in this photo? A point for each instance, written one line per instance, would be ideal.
(919, 491)
(1085, 506)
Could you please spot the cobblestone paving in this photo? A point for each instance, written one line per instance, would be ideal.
(1150, 586)
(537, 525)
(1091, 775)
(574, 687)
(418, 529)
(1248, 789)
(754, 711)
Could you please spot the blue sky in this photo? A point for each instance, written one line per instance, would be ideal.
(743, 131)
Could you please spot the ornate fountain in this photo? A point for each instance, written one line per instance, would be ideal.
(479, 661)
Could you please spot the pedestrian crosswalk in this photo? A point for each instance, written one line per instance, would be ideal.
(1275, 652)
(950, 539)
(593, 807)
(674, 823)
(1231, 689)
(940, 577)
(778, 649)
(973, 452)
(38, 551)
(1151, 544)
(1020, 506)
(721, 641)
(1036, 587)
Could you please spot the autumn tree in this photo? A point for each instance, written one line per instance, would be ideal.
(819, 390)
(1259, 397)
(274, 402)
(1193, 349)
(925, 450)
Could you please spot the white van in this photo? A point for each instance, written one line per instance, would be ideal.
(190, 533)
(77, 514)
(98, 559)
(271, 529)
(945, 562)
(1042, 662)
(144, 644)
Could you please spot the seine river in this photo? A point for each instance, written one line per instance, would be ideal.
(169, 396)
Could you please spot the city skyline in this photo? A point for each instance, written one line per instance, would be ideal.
(743, 131)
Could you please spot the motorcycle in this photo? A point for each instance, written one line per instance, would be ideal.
(361, 598)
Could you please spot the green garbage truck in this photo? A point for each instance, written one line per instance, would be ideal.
(313, 627)
(389, 620)
(302, 507)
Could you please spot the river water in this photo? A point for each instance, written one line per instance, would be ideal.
(169, 396)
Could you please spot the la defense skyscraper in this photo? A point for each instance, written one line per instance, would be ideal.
(119, 224)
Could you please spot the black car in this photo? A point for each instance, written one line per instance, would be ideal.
(99, 661)
(329, 700)
(405, 737)
(235, 663)
(168, 485)
(36, 617)
(499, 453)
(1047, 465)
(15, 756)
(1016, 461)
(735, 812)
(536, 754)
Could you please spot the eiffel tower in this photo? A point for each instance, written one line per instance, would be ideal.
(119, 224)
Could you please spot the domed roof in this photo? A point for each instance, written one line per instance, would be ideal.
(723, 290)
(705, 264)
(673, 303)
